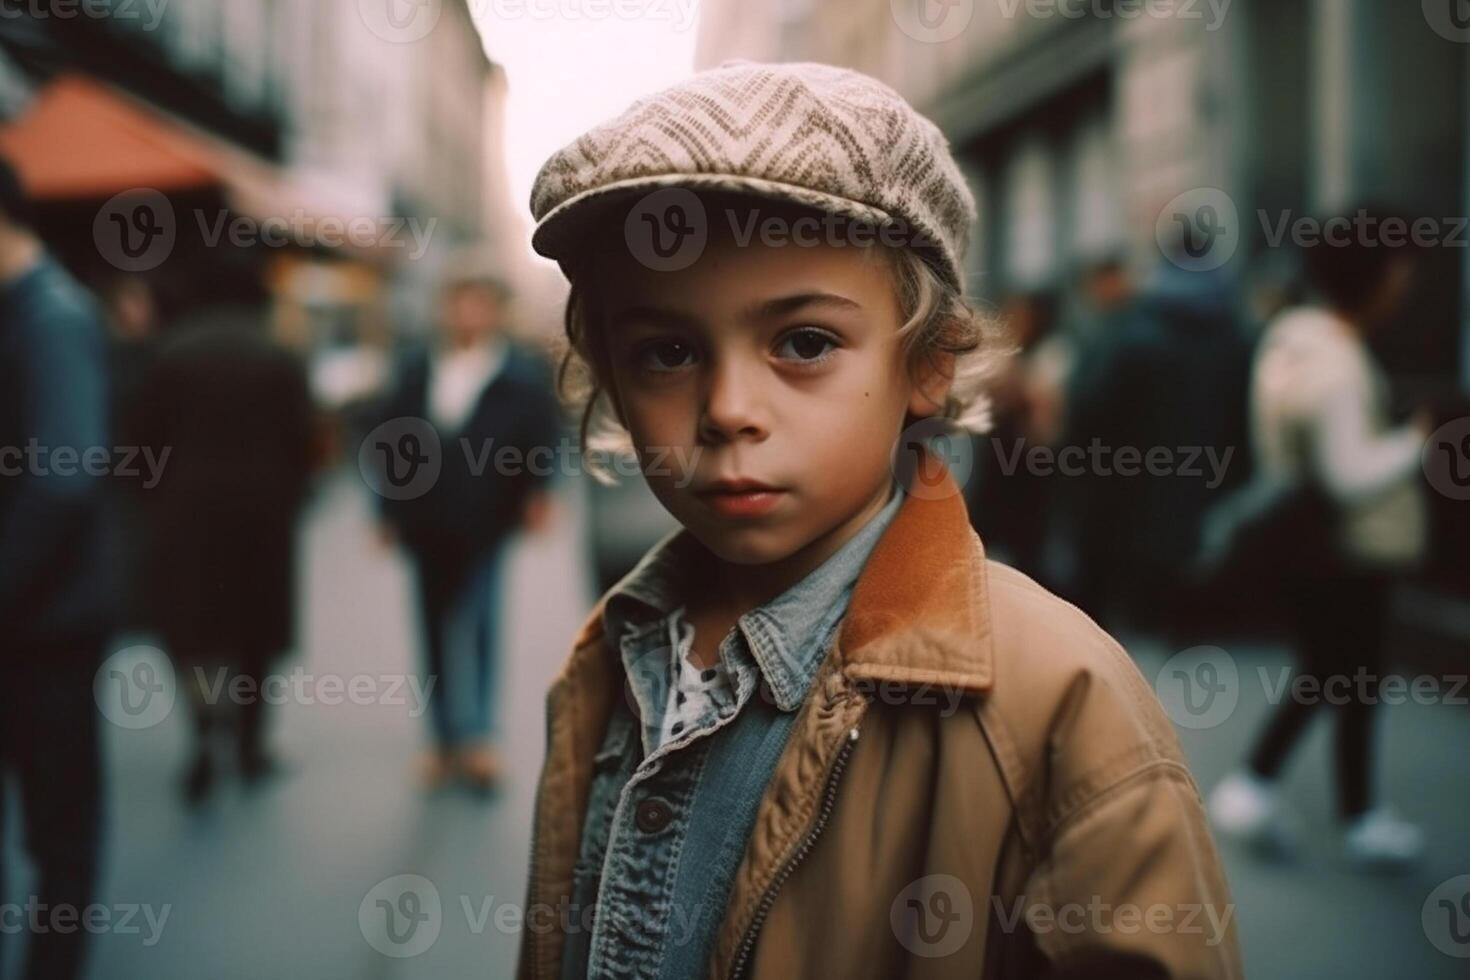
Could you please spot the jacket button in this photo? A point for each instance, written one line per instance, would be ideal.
(652, 816)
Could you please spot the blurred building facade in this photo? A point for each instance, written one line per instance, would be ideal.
(1079, 121)
(302, 113)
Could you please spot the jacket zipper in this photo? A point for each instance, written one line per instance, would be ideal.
(747, 945)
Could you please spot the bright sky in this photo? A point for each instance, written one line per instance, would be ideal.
(568, 72)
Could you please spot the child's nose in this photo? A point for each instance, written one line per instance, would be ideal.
(733, 402)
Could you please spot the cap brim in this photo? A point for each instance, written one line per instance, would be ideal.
(565, 227)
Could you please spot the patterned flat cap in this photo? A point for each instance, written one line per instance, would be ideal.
(810, 133)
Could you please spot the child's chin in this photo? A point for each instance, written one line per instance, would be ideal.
(749, 545)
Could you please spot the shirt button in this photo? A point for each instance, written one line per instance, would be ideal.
(652, 816)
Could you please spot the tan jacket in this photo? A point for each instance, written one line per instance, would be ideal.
(980, 784)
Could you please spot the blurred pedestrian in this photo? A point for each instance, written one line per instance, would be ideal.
(1011, 504)
(1320, 418)
(1169, 375)
(133, 321)
(231, 408)
(484, 394)
(54, 592)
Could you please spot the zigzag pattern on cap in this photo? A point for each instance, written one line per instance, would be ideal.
(809, 126)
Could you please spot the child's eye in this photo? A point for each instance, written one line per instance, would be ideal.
(807, 345)
(663, 355)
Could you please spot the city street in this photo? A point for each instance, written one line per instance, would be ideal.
(269, 883)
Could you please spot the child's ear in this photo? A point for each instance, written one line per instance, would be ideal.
(932, 377)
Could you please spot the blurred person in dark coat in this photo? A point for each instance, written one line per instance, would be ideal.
(483, 393)
(1011, 505)
(133, 321)
(55, 611)
(1170, 372)
(232, 409)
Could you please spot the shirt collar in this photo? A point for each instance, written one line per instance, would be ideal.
(786, 635)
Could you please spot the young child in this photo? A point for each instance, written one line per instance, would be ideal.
(815, 732)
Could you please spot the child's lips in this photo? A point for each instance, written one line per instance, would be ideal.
(743, 503)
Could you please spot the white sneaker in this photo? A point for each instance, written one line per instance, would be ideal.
(1248, 808)
(1381, 839)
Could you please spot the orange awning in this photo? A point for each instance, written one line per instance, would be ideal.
(81, 139)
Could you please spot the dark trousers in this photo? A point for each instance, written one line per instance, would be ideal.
(49, 749)
(1338, 628)
(243, 725)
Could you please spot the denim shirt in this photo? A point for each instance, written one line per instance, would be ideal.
(667, 824)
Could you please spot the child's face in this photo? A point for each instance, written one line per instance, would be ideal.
(778, 364)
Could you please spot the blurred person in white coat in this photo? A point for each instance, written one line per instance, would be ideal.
(1320, 417)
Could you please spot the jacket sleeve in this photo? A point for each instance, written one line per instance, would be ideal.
(1123, 878)
(1132, 886)
(1352, 460)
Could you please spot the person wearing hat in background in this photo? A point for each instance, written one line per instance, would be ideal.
(483, 392)
(815, 732)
